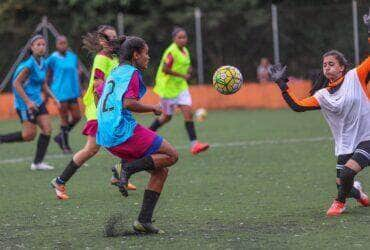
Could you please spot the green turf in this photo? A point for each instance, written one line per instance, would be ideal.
(264, 184)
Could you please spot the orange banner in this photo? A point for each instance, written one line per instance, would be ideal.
(250, 96)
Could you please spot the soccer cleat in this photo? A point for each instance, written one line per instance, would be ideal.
(146, 228)
(60, 190)
(41, 166)
(337, 208)
(120, 173)
(199, 147)
(114, 182)
(364, 199)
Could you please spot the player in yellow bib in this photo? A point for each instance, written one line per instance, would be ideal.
(104, 61)
(171, 85)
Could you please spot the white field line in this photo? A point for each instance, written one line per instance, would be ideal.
(213, 145)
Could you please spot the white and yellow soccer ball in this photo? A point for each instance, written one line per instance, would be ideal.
(227, 80)
(201, 114)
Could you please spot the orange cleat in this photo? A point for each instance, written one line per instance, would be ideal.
(336, 209)
(199, 147)
(131, 186)
(60, 190)
(364, 199)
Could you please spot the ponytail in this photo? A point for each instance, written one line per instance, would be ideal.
(91, 41)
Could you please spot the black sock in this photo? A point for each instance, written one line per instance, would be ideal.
(64, 135)
(68, 172)
(42, 146)
(347, 176)
(155, 125)
(354, 193)
(147, 208)
(71, 126)
(190, 128)
(143, 164)
(13, 137)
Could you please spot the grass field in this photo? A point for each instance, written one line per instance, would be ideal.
(265, 183)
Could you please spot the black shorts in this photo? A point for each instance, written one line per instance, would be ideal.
(361, 156)
(31, 115)
(71, 101)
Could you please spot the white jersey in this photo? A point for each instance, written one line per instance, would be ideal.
(347, 112)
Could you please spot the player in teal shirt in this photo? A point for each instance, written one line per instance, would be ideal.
(139, 148)
(63, 78)
(28, 83)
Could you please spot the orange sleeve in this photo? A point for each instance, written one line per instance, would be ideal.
(309, 103)
(363, 71)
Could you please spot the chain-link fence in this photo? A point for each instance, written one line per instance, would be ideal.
(240, 38)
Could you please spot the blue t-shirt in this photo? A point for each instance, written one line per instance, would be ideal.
(115, 123)
(33, 84)
(65, 84)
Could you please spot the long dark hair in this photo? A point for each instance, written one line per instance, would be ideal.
(125, 46)
(321, 81)
(91, 41)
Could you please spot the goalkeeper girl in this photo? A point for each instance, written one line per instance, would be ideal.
(342, 98)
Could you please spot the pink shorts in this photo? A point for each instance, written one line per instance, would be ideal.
(142, 143)
(91, 128)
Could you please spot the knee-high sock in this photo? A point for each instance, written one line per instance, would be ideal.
(42, 146)
(147, 208)
(155, 125)
(347, 176)
(354, 193)
(64, 135)
(12, 137)
(143, 164)
(68, 172)
(190, 128)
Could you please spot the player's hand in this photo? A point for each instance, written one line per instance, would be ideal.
(367, 19)
(157, 109)
(31, 105)
(57, 103)
(278, 74)
(187, 77)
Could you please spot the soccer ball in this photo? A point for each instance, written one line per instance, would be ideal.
(227, 80)
(200, 114)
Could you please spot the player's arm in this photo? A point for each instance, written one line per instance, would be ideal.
(167, 68)
(309, 103)
(18, 85)
(278, 74)
(50, 93)
(135, 105)
(98, 84)
(367, 23)
(364, 68)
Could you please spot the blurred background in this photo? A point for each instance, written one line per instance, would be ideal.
(238, 32)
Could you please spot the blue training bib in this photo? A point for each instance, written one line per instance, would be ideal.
(33, 85)
(65, 84)
(115, 123)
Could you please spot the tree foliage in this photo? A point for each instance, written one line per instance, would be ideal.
(235, 32)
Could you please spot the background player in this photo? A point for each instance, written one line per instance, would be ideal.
(28, 83)
(63, 77)
(171, 85)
